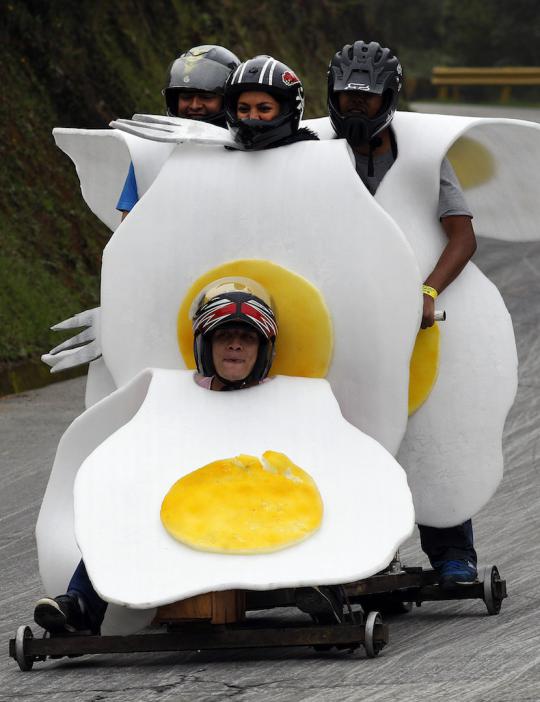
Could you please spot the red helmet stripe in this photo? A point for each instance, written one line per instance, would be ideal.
(261, 318)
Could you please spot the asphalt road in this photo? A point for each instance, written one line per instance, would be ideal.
(440, 651)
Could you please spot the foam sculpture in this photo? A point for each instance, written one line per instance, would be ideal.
(120, 487)
(452, 466)
(496, 160)
(263, 230)
(452, 447)
(304, 268)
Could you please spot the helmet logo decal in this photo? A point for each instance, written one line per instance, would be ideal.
(300, 105)
(357, 86)
(289, 78)
(200, 50)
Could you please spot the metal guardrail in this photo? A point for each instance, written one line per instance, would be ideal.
(506, 77)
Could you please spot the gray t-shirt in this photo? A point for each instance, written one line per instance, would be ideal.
(451, 198)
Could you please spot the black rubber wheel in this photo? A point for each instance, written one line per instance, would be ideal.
(373, 648)
(25, 661)
(492, 598)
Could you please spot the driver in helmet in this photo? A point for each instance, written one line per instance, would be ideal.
(235, 330)
(264, 103)
(364, 80)
(195, 85)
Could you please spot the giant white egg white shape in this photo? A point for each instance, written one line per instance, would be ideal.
(452, 448)
(132, 560)
(300, 207)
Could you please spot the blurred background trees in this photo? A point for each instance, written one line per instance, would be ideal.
(81, 65)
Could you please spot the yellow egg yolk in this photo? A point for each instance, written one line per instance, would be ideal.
(305, 341)
(243, 505)
(472, 162)
(424, 366)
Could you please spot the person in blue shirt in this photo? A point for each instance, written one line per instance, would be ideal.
(195, 85)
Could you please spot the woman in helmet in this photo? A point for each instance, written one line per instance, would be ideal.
(235, 331)
(264, 103)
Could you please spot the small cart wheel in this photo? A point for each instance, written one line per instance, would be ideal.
(492, 596)
(373, 648)
(25, 662)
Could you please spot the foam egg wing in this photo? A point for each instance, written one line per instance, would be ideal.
(496, 160)
(180, 426)
(452, 447)
(276, 206)
(102, 158)
(58, 552)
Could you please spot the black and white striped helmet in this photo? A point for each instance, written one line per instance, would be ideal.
(265, 74)
(233, 301)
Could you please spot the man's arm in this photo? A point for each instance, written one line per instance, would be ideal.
(459, 250)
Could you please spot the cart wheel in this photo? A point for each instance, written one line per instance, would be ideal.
(389, 603)
(25, 662)
(373, 648)
(493, 596)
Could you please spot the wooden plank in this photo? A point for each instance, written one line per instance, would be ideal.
(228, 606)
(225, 607)
(198, 607)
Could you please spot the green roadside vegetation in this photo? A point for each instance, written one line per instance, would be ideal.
(86, 64)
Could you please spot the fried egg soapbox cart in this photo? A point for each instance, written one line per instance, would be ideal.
(337, 410)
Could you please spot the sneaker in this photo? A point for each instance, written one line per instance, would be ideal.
(324, 604)
(64, 614)
(452, 573)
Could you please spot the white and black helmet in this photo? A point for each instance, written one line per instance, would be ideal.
(367, 67)
(233, 301)
(265, 74)
(202, 68)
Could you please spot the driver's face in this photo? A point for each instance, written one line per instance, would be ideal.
(196, 105)
(254, 104)
(352, 102)
(234, 351)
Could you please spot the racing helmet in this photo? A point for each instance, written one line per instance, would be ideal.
(204, 68)
(265, 74)
(371, 68)
(233, 301)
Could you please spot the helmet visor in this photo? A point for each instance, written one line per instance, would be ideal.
(198, 73)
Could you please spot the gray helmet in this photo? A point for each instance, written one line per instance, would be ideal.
(202, 68)
(370, 68)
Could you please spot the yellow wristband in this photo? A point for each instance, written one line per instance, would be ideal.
(428, 290)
